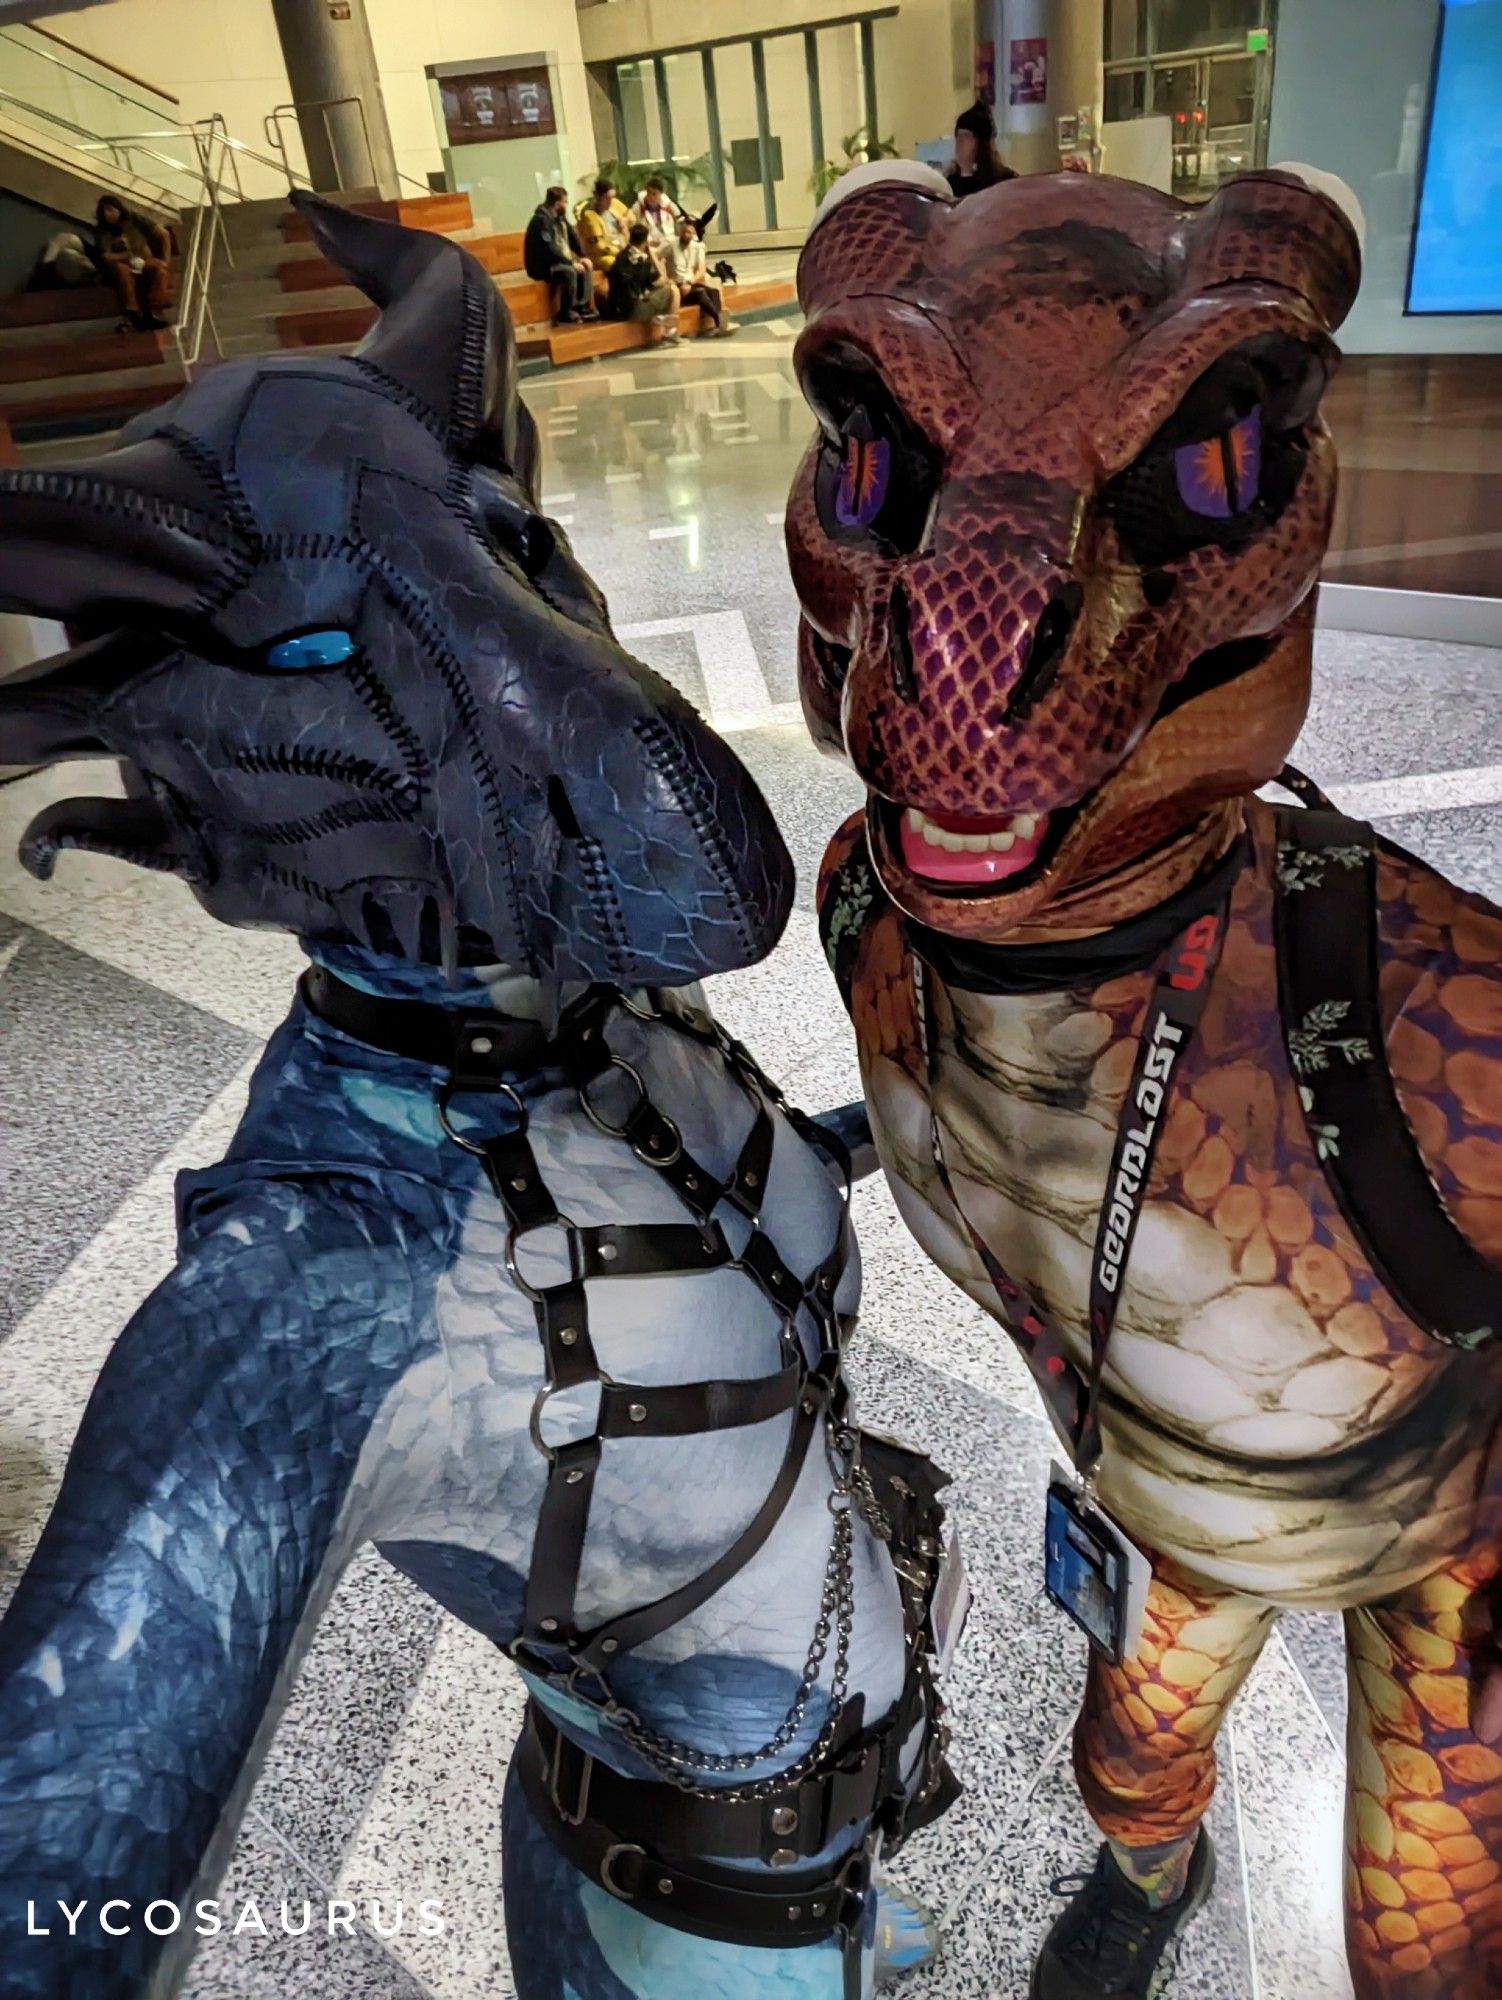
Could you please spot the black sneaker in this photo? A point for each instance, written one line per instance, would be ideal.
(1110, 1944)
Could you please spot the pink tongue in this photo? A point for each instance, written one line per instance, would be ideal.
(940, 864)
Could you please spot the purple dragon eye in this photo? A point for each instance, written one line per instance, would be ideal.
(1221, 476)
(865, 471)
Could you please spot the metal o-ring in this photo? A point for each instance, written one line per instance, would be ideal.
(476, 1146)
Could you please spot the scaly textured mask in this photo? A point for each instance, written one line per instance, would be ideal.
(1057, 538)
(361, 688)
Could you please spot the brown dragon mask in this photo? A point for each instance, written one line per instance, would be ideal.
(1057, 537)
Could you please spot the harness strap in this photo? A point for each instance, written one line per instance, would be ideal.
(1330, 1007)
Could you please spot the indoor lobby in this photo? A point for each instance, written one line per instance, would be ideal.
(131, 1022)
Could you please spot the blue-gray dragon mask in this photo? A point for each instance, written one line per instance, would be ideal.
(360, 686)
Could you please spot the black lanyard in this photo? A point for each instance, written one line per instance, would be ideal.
(1173, 1013)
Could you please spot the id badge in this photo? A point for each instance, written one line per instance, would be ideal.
(950, 1607)
(1092, 1571)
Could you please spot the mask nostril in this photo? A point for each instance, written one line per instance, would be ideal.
(1045, 655)
(561, 807)
(899, 620)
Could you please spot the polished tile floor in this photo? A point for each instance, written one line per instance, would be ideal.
(128, 1024)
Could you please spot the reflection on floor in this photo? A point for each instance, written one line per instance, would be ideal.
(126, 1016)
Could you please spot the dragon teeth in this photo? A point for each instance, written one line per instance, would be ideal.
(1021, 826)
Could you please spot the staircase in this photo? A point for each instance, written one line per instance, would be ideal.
(65, 369)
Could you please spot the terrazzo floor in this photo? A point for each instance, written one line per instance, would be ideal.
(128, 1026)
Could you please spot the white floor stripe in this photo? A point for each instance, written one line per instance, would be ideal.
(736, 695)
(684, 458)
(550, 500)
(1253, 1968)
(622, 478)
(1424, 791)
(672, 534)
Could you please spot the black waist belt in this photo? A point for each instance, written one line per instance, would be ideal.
(473, 1044)
(778, 1830)
(641, 1841)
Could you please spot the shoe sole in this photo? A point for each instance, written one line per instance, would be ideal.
(1192, 1905)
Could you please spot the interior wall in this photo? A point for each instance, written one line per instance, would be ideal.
(223, 55)
(213, 55)
(407, 38)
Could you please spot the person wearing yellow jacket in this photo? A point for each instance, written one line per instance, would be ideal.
(603, 221)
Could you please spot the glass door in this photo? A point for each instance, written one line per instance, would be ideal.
(1217, 105)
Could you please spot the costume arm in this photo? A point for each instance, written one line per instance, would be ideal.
(205, 1512)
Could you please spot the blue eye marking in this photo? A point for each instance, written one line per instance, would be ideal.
(311, 649)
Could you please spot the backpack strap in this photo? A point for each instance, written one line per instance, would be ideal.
(1328, 1002)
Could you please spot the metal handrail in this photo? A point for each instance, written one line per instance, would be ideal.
(92, 142)
(104, 62)
(271, 124)
(57, 62)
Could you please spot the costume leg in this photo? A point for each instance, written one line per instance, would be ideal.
(1144, 1750)
(1424, 1825)
(572, 1940)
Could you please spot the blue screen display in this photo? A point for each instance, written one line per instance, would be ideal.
(1457, 250)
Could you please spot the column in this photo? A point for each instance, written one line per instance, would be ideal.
(327, 48)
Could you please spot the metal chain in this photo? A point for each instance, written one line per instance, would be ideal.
(851, 1492)
(674, 1761)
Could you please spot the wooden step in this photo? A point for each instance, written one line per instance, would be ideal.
(52, 308)
(528, 304)
(498, 254)
(41, 360)
(39, 413)
(429, 211)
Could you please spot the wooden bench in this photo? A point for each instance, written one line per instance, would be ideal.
(528, 303)
(613, 336)
(442, 212)
(499, 254)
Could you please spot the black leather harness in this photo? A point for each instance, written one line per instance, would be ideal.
(636, 1837)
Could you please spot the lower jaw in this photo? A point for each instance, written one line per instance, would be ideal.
(1057, 894)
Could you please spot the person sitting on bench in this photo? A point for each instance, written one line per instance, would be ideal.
(640, 290)
(552, 254)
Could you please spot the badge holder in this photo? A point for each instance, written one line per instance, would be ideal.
(1092, 1571)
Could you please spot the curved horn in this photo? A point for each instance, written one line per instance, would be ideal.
(443, 334)
(102, 540)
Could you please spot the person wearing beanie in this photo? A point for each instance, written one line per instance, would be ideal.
(977, 163)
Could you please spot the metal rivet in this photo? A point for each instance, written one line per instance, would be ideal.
(568, 1335)
(550, 1624)
(609, 1645)
(753, 1180)
(784, 1820)
(781, 1857)
(518, 1181)
(608, 1253)
(808, 1408)
(664, 1885)
(817, 1909)
(691, 1181)
(575, 1476)
(826, 1283)
(637, 1413)
(481, 1044)
(795, 1911)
